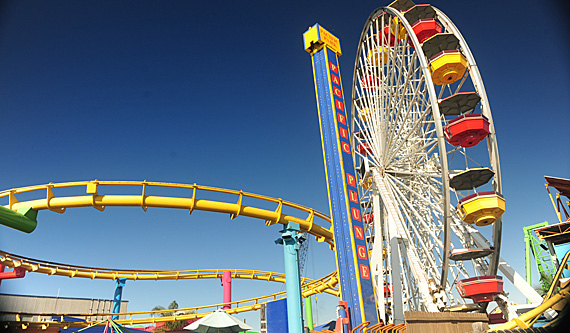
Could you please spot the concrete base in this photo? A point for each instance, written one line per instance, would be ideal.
(445, 322)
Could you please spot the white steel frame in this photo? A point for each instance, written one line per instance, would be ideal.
(395, 111)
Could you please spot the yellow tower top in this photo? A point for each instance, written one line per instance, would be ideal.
(317, 37)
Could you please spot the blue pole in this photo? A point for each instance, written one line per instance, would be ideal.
(290, 240)
(118, 295)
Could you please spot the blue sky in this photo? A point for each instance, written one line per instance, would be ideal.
(221, 93)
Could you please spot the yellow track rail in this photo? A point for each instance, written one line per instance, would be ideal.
(311, 286)
(326, 284)
(49, 201)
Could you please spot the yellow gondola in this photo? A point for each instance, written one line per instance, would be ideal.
(482, 208)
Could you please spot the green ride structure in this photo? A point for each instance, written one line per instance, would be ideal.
(537, 249)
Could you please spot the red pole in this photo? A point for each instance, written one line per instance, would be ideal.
(227, 284)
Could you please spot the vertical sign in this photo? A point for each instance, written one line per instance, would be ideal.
(350, 245)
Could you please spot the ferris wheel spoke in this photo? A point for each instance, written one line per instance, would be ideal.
(428, 236)
(417, 173)
(399, 99)
(406, 202)
(416, 155)
(441, 91)
(408, 117)
(407, 136)
(426, 243)
(431, 232)
(393, 72)
(417, 196)
(430, 146)
(398, 107)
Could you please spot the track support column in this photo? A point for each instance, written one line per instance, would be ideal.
(309, 313)
(118, 296)
(290, 239)
(227, 289)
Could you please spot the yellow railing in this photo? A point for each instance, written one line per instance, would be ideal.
(326, 284)
(50, 268)
(49, 201)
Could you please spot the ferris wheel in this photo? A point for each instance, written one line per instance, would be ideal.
(430, 184)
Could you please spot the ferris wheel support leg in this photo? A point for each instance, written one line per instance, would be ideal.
(377, 258)
(506, 307)
(519, 282)
(399, 237)
(393, 238)
(397, 291)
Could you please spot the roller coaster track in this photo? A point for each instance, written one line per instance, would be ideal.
(198, 312)
(311, 286)
(49, 201)
(59, 204)
(326, 284)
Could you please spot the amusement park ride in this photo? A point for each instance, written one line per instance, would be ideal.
(413, 176)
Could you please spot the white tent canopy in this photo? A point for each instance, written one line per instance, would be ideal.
(218, 321)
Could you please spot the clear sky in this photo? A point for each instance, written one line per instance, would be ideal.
(221, 93)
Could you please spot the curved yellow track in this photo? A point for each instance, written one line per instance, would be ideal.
(311, 286)
(326, 284)
(49, 201)
(200, 311)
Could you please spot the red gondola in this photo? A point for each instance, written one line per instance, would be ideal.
(467, 130)
(426, 28)
(480, 288)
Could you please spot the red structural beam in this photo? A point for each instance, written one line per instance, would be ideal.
(17, 273)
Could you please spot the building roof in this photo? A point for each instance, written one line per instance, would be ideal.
(557, 233)
(560, 184)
